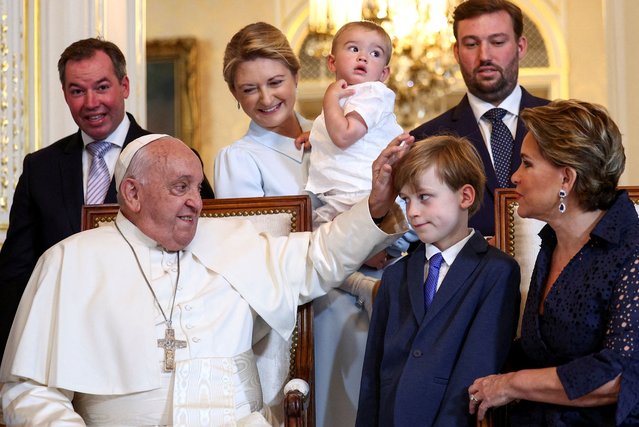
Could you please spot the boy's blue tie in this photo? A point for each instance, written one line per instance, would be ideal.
(431, 281)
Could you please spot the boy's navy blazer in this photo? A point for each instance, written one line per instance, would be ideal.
(461, 121)
(418, 364)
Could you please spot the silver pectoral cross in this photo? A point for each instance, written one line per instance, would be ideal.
(169, 344)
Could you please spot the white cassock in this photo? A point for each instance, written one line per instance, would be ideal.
(83, 347)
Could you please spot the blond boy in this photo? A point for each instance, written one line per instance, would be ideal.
(446, 312)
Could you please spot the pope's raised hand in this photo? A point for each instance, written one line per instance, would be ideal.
(383, 193)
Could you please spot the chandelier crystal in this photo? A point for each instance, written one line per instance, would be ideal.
(423, 66)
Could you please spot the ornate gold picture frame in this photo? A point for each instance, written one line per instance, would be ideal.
(172, 88)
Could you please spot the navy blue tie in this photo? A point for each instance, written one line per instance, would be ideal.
(501, 145)
(430, 287)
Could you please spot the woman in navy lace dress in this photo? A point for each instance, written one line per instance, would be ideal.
(579, 351)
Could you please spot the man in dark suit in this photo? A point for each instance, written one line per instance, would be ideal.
(53, 186)
(489, 45)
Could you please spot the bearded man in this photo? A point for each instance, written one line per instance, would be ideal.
(489, 43)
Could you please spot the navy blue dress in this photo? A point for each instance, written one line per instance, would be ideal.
(589, 329)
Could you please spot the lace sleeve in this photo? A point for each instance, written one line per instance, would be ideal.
(622, 332)
(619, 351)
(621, 338)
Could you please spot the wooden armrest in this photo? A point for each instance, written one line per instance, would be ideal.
(296, 402)
(295, 405)
(495, 417)
(376, 289)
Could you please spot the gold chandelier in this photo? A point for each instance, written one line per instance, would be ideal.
(423, 66)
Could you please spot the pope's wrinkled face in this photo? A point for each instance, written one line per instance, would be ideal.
(169, 194)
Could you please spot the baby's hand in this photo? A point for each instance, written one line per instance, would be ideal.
(378, 260)
(339, 89)
(303, 141)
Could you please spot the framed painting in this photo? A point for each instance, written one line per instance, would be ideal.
(172, 88)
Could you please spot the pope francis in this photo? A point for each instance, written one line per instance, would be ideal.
(149, 320)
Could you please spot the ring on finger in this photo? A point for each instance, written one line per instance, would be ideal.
(474, 399)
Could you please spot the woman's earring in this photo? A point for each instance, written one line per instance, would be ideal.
(562, 204)
(238, 105)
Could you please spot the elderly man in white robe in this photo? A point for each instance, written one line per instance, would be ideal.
(84, 345)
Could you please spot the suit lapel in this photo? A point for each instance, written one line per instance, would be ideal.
(111, 196)
(527, 101)
(415, 280)
(465, 125)
(71, 185)
(521, 132)
(457, 277)
(464, 121)
(135, 131)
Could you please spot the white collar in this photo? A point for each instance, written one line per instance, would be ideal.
(133, 233)
(510, 104)
(451, 253)
(282, 144)
(116, 137)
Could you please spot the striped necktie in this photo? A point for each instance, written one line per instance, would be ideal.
(99, 177)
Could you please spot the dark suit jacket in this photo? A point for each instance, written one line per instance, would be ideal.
(460, 121)
(419, 365)
(47, 206)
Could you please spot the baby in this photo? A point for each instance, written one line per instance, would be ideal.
(357, 119)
